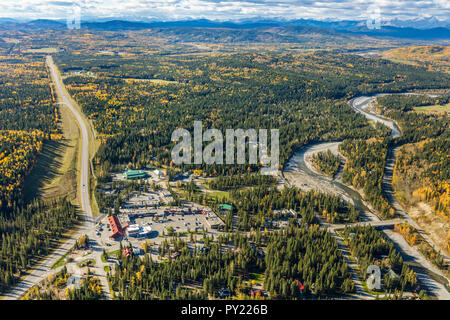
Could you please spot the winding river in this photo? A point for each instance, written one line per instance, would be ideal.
(299, 172)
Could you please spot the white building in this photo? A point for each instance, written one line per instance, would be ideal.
(133, 230)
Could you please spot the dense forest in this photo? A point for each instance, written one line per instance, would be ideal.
(255, 206)
(364, 169)
(421, 169)
(26, 97)
(326, 162)
(238, 181)
(284, 258)
(297, 254)
(137, 103)
(18, 151)
(369, 246)
(28, 118)
(29, 234)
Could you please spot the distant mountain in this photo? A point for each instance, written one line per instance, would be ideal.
(34, 24)
(8, 20)
(44, 23)
(406, 33)
(259, 29)
(419, 23)
(201, 23)
(391, 29)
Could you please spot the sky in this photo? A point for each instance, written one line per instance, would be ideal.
(225, 10)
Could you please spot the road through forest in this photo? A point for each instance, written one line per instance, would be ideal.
(43, 269)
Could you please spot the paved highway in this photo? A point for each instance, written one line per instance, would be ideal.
(44, 268)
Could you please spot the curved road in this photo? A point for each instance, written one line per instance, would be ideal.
(358, 104)
(44, 268)
(410, 254)
(297, 169)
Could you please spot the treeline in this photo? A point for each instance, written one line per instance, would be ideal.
(364, 169)
(255, 206)
(238, 181)
(309, 256)
(18, 151)
(26, 97)
(370, 247)
(192, 275)
(29, 234)
(415, 126)
(326, 162)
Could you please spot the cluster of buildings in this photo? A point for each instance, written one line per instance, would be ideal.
(131, 230)
(131, 221)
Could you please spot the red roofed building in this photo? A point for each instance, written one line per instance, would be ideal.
(116, 227)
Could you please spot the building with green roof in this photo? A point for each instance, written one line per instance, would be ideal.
(135, 174)
(226, 207)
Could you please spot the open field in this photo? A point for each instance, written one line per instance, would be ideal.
(43, 50)
(55, 172)
(435, 225)
(433, 57)
(155, 81)
(434, 108)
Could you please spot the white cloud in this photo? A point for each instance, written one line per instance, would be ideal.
(223, 9)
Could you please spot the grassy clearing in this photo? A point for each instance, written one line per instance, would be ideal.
(61, 261)
(43, 50)
(434, 108)
(366, 288)
(155, 81)
(86, 263)
(113, 253)
(219, 194)
(55, 172)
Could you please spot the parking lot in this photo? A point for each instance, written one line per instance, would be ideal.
(160, 221)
